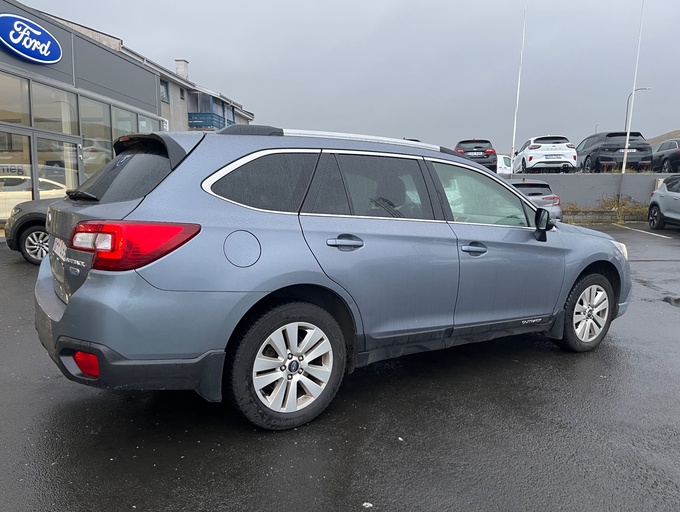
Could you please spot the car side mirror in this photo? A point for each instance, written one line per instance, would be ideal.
(544, 223)
(516, 153)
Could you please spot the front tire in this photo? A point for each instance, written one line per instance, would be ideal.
(666, 167)
(588, 314)
(655, 218)
(34, 244)
(287, 366)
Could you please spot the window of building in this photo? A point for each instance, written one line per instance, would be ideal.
(124, 122)
(55, 110)
(148, 125)
(165, 92)
(15, 172)
(181, 93)
(57, 167)
(95, 118)
(14, 102)
(273, 182)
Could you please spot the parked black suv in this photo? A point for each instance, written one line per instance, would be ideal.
(604, 151)
(478, 150)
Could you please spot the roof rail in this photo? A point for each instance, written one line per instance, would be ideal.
(254, 129)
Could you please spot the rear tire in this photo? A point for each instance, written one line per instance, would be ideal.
(588, 165)
(588, 314)
(655, 218)
(287, 366)
(666, 167)
(34, 244)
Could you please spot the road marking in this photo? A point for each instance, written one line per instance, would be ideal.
(645, 232)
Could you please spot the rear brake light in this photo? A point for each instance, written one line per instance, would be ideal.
(87, 363)
(490, 151)
(126, 245)
(534, 146)
(461, 151)
(531, 158)
(571, 146)
(555, 199)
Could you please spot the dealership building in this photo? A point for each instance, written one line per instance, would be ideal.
(68, 91)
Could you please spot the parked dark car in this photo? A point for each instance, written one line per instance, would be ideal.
(262, 265)
(25, 229)
(540, 194)
(478, 150)
(664, 205)
(604, 151)
(666, 156)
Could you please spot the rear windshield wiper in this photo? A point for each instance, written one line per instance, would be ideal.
(81, 194)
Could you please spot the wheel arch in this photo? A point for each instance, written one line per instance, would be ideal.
(610, 272)
(313, 294)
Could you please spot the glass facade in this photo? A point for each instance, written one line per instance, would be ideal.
(42, 131)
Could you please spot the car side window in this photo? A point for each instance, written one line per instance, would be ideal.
(664, 146)
(380, 186)
(582, 145)
(673, 145)
(327, 194)
(275, 182)
(673, 186)
(476, 198)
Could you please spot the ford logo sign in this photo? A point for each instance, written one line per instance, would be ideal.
(28, 39)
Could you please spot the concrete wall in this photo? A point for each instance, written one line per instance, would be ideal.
(587, 190)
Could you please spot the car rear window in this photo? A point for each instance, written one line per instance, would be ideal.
(551, 140)
(474, 144)
(534, 189)
(131, 175)
(621, 136)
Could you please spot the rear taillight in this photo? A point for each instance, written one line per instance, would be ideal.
(126, 245)
(461, 151)
(555, 200)
(571, 146)
(490, 151)
(574, 157)
(534, 146)
(87, 363)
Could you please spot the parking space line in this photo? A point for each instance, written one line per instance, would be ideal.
(645, 232)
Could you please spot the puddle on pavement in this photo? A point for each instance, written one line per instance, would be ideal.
(673, 301)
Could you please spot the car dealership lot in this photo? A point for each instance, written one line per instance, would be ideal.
(508, 424)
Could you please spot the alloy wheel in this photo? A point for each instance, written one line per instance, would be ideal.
(591, 313)
(292, 367)
(37, 244)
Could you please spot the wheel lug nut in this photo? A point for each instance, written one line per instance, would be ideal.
(300, 371)
(290, 377)
(290, 356)
(283, 368)
(300, 358)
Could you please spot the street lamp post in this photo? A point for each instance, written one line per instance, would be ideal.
(625, 126)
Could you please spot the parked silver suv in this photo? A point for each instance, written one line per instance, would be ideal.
(263, 265)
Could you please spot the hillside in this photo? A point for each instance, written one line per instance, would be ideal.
(675, 134)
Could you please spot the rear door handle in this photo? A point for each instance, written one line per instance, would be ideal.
(474, 249)
(345, 242)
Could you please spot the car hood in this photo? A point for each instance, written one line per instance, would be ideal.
(569, 228)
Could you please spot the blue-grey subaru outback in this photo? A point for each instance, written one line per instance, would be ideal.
(262, 265)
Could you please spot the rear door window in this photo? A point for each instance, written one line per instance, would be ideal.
(380, 186)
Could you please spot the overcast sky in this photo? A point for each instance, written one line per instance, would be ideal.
(438, 71)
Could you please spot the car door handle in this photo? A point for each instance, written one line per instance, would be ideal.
(345, 243)
(474, 249)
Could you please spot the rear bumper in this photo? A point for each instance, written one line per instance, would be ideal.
(633, 161)
(137, 343)
(202, 374)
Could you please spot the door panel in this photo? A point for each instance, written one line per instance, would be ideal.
(402, 274)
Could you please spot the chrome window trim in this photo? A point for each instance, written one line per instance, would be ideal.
(372, 153)
(345, 216)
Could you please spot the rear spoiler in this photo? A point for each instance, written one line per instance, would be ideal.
(177, 145)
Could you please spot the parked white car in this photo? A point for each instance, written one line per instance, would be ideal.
(548, 153)
(17, 189)
(504, 165)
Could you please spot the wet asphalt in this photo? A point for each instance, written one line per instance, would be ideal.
(511, 424)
